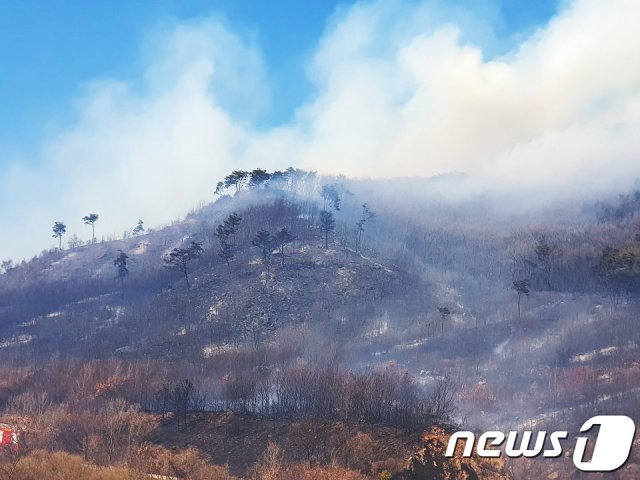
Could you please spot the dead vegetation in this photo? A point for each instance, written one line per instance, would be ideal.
(352, 331)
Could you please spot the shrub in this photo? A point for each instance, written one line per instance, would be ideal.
(41, 465)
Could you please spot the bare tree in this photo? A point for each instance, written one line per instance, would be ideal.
(444, 316)
(282, 239)
(183, 396)
(522, 289)
(330, 197)
(544, 256)
(265, 242)
(162, 400)
(365, 216)
(441, 400)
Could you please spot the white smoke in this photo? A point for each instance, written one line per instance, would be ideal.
(398, 92)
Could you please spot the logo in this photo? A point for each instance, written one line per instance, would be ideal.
(611, 449)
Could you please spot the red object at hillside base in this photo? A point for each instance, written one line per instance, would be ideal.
(8, 435)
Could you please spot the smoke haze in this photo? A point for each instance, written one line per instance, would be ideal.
(399, 90)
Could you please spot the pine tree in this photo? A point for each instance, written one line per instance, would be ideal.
(180, 258)
(91, 219)
(120, 263)
(139, 228)
(224, 232)
(327, 225)
(6, 265)
(59, 229)
(258, 177)
(236, 179)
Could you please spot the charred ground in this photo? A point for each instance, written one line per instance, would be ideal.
(409, 317)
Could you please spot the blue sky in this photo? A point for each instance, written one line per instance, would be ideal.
(135, 110)
(50, 49)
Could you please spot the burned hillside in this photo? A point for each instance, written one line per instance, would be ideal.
(324, 299)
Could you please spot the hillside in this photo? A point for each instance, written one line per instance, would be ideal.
(71, 297)
(398, 315)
